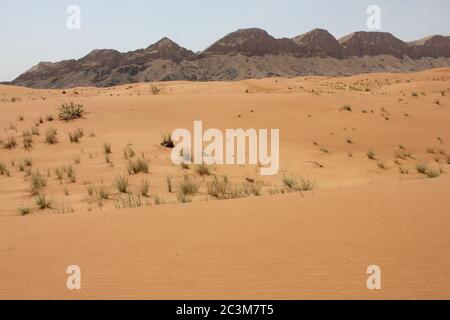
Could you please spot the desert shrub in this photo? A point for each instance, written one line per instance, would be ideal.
(253, 188)
(167, 141)
(143, 188)
(75, 136)
(10, 142)
(21, 117)
(129, 201)
(99, 190)
(381, 165)
(3, 169)
(219, 187)
(295, 183)
(27, 162)
(169, 184)
(203, 169)
(24, 211)
(371, 155)
(51, 136)
(403, 154)
(59, 173)
(184, 198)
(414, 94)
(188, 186)
(139, 165)
(421, 168)
(346, 108)
(403, 170)
(70, 173)
(70, 111)
(155, 90)
(49, 118)
(432, 173)
(27, 140)
(77, 159)
(107, 148)
(35, 131)
(448, 160)
(37, 182)
(121, 183)
(128, 152)
(42, 201)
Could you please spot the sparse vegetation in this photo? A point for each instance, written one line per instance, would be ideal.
(143, 188)
(128, 152)
(381, 165)
(70, 111)
(371, 155)
(27, 140)
(42, 201)
(346, 108)
(75, 136)
(3, 169)
(203, 169)
(295, 183)
(107, 148)
(37, 183)
(51, 136)
(188, 186)
(122, 184)
(24, 211)
(155, 90)
(139, 165)
(169, 184)
(421, 168)
(10, 142)
(70, 174)
(129, 201)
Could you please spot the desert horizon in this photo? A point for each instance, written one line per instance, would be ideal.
(362, 180)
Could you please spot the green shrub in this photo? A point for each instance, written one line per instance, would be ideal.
(37, 182)
(70, 111)
(121, 183)
(42, 201)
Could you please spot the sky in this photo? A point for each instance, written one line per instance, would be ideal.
(36, 30)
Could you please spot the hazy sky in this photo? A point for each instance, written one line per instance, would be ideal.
(35, 30)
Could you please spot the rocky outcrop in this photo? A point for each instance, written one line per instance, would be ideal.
(319, 43)
(246, 53)
(372, 44)
(433, 46)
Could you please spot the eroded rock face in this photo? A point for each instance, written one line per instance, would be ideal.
(433, 46)
(244, 54)
(251, 42)
(320, 43)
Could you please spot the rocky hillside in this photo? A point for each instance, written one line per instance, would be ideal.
(246, 53)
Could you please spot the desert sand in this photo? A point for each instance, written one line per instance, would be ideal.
(359, 140)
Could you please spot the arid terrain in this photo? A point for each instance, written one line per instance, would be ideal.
(364, 180)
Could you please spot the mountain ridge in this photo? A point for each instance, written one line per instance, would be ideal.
(243, 54)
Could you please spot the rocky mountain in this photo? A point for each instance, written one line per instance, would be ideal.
(243, 54)
(320, 43)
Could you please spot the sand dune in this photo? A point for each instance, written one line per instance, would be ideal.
(281, 244)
